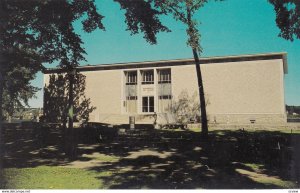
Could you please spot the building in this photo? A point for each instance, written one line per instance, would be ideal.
(238, 89)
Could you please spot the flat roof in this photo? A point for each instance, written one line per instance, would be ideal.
(176, 62)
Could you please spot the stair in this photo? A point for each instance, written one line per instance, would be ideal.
(115, 119)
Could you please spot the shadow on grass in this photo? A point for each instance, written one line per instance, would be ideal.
(227, 159)
(31, 144)
(150, 158)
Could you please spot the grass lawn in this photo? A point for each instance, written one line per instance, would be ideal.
(155, 159)
(267, 180)
(52, 177)
(253, 129)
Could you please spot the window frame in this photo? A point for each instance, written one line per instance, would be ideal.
(147, 79)
(148, 107)
(164, 77)
(131, 80)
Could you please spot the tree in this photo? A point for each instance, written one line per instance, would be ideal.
(187, 108)
(55, 98)
(43, 31)
(141, 16)
(37, 32)
(17, 89)
(287, 18)
(33, 32)
(184, 10)
(55, 109)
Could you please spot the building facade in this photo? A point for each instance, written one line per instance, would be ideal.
(238, 89)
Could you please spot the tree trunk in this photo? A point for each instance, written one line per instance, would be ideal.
(194, 44)
(204, 126)
(70, 102)
(1, 127)
(3, 22)
(71, 137)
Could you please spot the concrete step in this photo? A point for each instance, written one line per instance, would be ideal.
(124, 119)
(114, 119)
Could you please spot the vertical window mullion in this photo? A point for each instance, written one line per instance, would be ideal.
(148, 104)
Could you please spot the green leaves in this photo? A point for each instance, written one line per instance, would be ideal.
(19, 67)
(141, 17)
(41, 31)
(287, 18)
(56, 99)
(35, 32)
(183, 10)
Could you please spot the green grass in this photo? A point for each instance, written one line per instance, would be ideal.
(255, 167)
(267, 180)
(51, 177)
(220, 131)
(258, 176)
(101, 157)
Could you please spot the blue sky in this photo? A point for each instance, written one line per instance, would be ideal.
(231, 27)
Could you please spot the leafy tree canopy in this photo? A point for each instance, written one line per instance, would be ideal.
(41, 31)
(287, 18)
(55, 99)
(183, 10)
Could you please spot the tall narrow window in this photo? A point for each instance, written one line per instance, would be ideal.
(164, 90)
(147, 77)
(131, 77)
(131, 91)
(164, 76)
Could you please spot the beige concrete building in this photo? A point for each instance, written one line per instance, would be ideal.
(237, 88)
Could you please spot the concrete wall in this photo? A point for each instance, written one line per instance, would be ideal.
(104, 88)
(237, 91)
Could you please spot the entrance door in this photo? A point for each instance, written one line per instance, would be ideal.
(148, 104)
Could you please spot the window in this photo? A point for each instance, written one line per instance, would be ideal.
(131, 84)
(164, 76)
(164, 103)
(165, 97)
(164, 90)
(148, 104)
(131, 78)
(131, 98)
(131, 92)
(147, 77)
